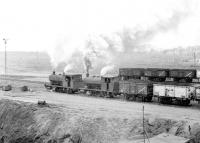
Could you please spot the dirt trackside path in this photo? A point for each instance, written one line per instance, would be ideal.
(108, 107)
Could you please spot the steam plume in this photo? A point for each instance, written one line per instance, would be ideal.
(68, 68)
(108, 51)
(109, 70)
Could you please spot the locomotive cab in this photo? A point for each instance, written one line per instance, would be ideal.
(107, 80)
(68, 80)
(110, 84)
(72, 81)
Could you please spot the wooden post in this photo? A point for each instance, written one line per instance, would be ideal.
(143, 124)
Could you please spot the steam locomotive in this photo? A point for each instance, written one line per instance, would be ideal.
(167, 85)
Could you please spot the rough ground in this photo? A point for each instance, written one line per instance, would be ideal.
(91, 120)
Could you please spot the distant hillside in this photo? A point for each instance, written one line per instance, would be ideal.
(39, 63)
(25, 63)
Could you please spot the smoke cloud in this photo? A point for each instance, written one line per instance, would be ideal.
(106, 51)
(109, 70)
(68, 68)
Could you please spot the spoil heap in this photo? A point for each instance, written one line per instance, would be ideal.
(31, 123)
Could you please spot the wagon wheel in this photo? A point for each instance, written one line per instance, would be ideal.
(165, 100)
(69, 91)
(65, 90)
(48, 87)
(101, 94)
(148, 98)
(133, 98)
(126, 96)
(111, 95)
(143, 99)
(104, 94)
(92, 93)
(185, 102)
(56, 89)
(161, 100)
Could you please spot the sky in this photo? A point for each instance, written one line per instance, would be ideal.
(41, 25)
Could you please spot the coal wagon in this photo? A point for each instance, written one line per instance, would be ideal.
(131, 73)
(182, 75)
(156, 74)
(136, 89)
(174, 93)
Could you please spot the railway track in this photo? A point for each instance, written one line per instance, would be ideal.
(33, 81)
(22, 80)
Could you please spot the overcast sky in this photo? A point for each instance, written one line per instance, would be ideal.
(37, 25)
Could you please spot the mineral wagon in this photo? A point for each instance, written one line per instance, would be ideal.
(182, 75)
(131, 73)
(136, 89)
(156, 74)
(170, 93)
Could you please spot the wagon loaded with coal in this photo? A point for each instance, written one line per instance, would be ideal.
(167, 85)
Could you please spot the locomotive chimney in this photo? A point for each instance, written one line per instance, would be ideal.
(88, 65)
(87, 71)
(54, 72)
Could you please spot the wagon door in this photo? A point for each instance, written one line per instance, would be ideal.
(181, 92)
(67, 81)
(124, 87)
(142, 89)
(169, 91)
(158, 90)
(132, 89)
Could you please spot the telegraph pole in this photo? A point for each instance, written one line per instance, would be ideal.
(5, 42)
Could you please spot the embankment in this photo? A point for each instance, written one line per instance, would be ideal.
(30, 123)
